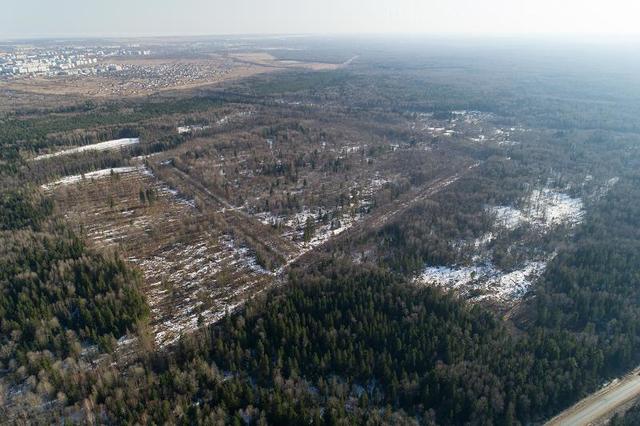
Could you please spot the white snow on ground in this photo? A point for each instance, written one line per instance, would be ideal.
(300, 219)
(190, 279)
(483, 240)
(244, 256)
(325, 232)
(98, 174)
(516, 283)
(544, 208)
(296, 224)
(550, 208)
(101, 146)
(451, 277)
(352, 149)
(268, 218)
(337, 225)
(67, 180)
(604, 189)
(340, 219)
(193, 268)
(142, 157)
(486, 279)
(508, 217)
(477, 126)
(191, 129)
(227, 118)
(221, 122)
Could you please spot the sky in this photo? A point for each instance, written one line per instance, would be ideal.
(80, 18)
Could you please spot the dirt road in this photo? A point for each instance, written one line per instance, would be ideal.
(601, 405)
(382, 216)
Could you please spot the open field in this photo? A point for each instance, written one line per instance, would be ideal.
(263, 59)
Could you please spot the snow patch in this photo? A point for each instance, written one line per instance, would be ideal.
(544, 208)
(101, 146)
(508, 217)
(68, 180)
(487, 279)
(191, 129)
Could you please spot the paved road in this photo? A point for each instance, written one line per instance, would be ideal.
(601, 404)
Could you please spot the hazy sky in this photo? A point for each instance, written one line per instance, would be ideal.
(27, 18)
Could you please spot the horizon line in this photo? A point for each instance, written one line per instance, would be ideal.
(466, 35)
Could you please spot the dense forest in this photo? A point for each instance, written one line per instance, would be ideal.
(58, 297)
(592, 287)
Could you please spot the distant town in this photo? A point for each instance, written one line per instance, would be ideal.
(33, 61)
(109, 68)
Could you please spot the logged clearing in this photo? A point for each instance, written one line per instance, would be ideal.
(193, 271)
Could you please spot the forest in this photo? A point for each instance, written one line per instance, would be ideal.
(346, 343)
(262, 267)
(58, 296)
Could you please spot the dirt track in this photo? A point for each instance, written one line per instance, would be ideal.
(383, 216)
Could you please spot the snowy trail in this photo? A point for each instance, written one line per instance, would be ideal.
(101, 146)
